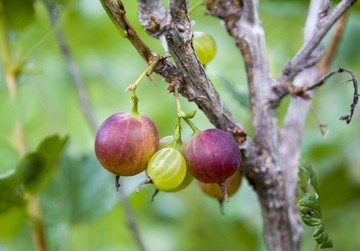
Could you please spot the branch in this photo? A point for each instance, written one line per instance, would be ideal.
(154, 18)
(196, 86)
(301, 60)
(117, 13)
(243, 23)
(77, 81)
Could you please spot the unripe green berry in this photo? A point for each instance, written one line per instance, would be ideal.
(205, 46)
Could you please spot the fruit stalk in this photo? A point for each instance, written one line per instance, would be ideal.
(181, 113)
(148, 180)
(224, 190)
(149, 70)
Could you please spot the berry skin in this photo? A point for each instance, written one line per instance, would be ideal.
(167, 142)
(205, 46)
(212, 156)
(167, 169)
(213, 189)
(125, 142)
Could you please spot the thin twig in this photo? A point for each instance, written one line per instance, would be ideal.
(117, 11)
(301, 91)
(36, 223)
(321, 125)
(130, 220)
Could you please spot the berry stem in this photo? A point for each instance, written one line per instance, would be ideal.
(221, 205)
(177, 134)
(153, 196)
(181, 113)
(149, 70)
(224, 190)
(148, 180)
(192, 126)
(117, 184)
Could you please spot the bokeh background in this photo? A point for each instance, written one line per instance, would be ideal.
(81, 208)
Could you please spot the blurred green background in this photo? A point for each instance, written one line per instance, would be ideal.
(81, 208)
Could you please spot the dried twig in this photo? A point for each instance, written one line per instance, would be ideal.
(301, 91)
(321, 125)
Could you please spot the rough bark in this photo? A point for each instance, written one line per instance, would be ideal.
(271, 157)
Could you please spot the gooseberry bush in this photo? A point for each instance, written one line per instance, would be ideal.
(219, 157)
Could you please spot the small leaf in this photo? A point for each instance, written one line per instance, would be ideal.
(18, 14)
(190, 115)
(37, 167)
(309, 206)
(307, 179)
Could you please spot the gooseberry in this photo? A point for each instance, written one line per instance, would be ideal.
(166, 169)
(205, 46)
(167, 142)
(125, 142)
(213, 190)
(212, 156)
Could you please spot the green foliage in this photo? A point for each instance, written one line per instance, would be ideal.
(83, 191)
(30, 176)
(10, 193)
(309, 205)
(36, 167)
(13, 219)
(32, 173)
(18, 14)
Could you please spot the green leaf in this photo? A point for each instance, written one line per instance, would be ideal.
(190, 115)
(13, 219)
(309, 205)
(10, 193)
(18, 14)
(83, 191)
(36, 167)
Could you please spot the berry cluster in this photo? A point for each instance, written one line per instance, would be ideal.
(127, 143)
